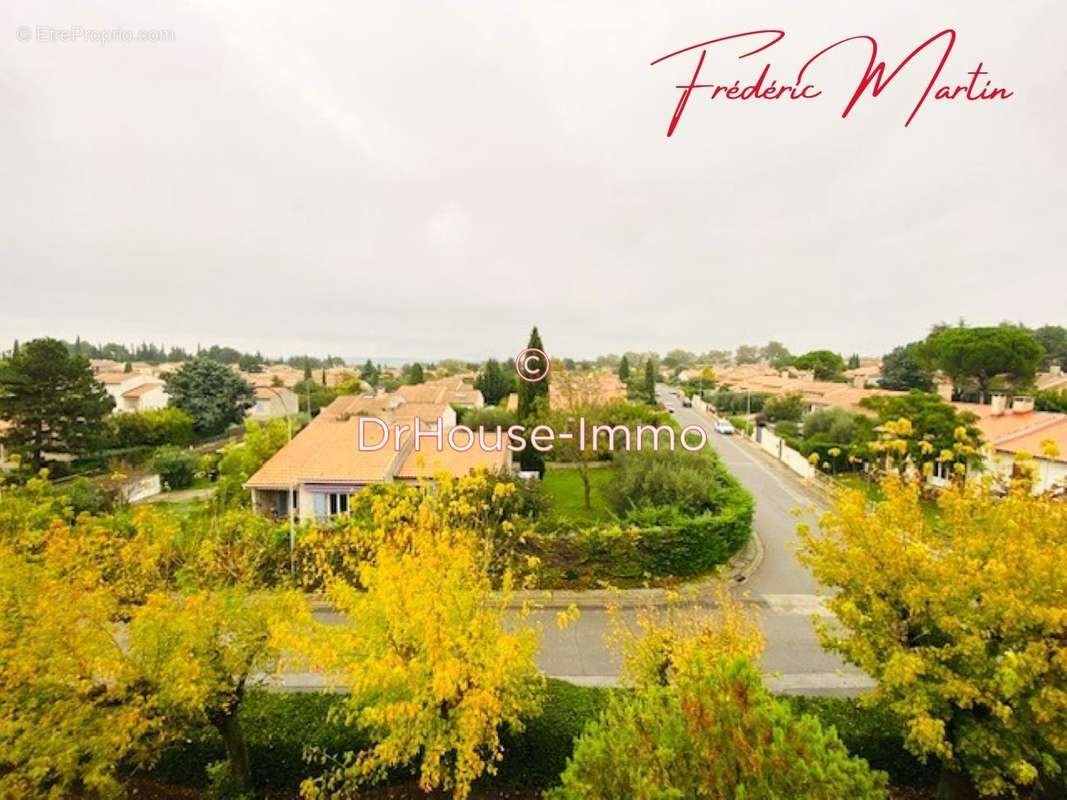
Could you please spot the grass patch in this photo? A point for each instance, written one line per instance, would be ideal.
(875, 494)
(565, 487)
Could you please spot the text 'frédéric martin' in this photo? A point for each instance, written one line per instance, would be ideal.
(875, 78)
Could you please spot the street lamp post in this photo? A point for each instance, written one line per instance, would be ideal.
(289, 497)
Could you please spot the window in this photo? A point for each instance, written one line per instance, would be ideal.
(338, 503)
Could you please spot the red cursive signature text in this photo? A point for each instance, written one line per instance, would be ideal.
(875, 79)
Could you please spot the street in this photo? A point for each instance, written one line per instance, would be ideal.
(781, 591)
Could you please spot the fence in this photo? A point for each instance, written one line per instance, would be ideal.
(770, 443)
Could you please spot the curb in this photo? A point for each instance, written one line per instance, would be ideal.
(737, 572)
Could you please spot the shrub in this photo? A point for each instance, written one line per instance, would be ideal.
(149, 428)
(85, 496)
(176, 466)
(743, 424)
(279, 725)
(688, 482)
(784, 407)
(714, 731)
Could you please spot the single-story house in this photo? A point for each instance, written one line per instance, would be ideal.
(324, 465)
(133, 391)
(273, 401)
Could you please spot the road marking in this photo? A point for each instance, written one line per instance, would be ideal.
(799, 604)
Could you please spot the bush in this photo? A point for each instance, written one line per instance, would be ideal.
(85, 496)
(149, 428)
(688, 482)
(279, 725)
(727, 402)
(743, 424)
(176, 466)
(784, 407)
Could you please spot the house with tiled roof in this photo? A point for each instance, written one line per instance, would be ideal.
(134, 391)
(360, 440)
(1011, 427)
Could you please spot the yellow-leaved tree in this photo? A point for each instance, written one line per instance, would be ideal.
(433, 671)
(962, 618)
(72, 705)
(196, 653)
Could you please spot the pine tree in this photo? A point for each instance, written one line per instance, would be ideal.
(531, 392)
(650, 382)
(624, 369)
(52, 399)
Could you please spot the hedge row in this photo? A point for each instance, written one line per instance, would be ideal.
(650, 543)
(279, 726)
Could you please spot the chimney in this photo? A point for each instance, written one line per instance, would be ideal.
(1022, 405)
(944, 390)
(999, 404)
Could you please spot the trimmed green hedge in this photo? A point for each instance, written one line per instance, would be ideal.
(279, 726)
(651, 543)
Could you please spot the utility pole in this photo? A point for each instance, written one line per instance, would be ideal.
(289, 464)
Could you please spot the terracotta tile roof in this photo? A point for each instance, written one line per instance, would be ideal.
(1031, 440)
(142, 389)
(1012, 432)
(586, 389)
(268, 393)
(114, 378)
(447, 390)
(327, 451)
(430, 461)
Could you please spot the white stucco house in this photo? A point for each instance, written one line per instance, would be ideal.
(272, 402)
(133, 391)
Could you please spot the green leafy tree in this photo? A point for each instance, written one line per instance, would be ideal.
(776, 354)
(1054, 339)
(52, 401)
(826, 364)
(935, 425)
(533, 394)
(249, 363)
(784, 408)
(974, 358)
(211, 393)
(624, 369)
(493, 383)
(747, 354)
(370, 374)
(149, 428)
(650, 382)
(904, 368)
(241, 459)
(416, 374)
(176, 466)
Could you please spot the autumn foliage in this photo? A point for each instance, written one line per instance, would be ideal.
(962, 618)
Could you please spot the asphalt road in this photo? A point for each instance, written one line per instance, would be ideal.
(781, 591)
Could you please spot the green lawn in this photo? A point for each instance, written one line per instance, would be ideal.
(874, 494)
(564, 486)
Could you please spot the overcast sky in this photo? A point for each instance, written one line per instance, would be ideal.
(417, 179)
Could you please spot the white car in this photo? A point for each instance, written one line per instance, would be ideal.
(725, 427)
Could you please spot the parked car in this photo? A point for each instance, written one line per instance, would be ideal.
(687, 403)
(725, 427)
